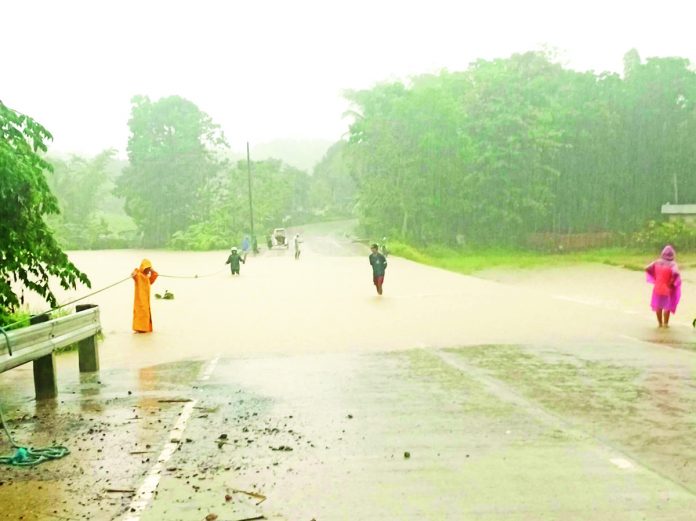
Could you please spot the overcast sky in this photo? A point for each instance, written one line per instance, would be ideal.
(277, 69)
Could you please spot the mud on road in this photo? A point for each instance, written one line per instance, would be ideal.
(491, 432)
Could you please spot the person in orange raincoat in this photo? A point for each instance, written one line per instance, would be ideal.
(143, 277)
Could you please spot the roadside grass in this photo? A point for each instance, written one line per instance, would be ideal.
(472, 261)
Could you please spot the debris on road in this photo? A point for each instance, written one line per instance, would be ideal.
(255, 495)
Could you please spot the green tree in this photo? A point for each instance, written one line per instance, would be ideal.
(29, 253)
(173, 153)
(280, 198)
(79, 184)
(332, 188)
(513, 147)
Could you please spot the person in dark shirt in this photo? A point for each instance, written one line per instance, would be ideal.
(233, 260)
(379, 265)
(296, 244)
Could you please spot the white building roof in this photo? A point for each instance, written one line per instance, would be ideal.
(679, 209)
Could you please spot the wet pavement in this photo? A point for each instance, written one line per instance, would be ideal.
(295, 393)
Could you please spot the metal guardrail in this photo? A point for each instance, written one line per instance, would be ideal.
(37, 341)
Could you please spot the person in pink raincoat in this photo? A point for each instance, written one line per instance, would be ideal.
(664, 274)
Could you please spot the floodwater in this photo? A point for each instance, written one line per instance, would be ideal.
(518, 395)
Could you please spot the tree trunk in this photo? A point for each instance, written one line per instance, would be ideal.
(404, 224)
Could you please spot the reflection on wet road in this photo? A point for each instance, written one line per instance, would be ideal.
(295, 393)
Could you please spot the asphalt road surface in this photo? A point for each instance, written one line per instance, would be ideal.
(294, 392)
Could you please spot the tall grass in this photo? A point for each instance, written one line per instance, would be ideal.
(472, 261)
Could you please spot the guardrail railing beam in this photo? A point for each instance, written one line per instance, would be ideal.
(38, 342)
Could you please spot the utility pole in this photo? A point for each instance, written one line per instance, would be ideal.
(251, 206)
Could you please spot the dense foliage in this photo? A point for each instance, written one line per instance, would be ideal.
(29, 254)
(332, 188)
(279, 196)
(182, 192)
(518, 146)
(509, 152)
(173, 154)
(90, 216)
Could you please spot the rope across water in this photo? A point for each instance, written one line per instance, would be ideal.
(27, 319)
(28, 456)
(193, 276)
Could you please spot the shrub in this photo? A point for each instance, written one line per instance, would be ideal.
(656, 235)
(21, 316)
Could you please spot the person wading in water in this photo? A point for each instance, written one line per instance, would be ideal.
(379, 265)
(233, 260)
(144, 277)
(664, 274)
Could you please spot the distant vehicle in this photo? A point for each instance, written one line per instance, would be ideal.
(279, 238)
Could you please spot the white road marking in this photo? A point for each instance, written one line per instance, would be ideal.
(622, 463)
(596, 304)
(146, 491)
(208, 369)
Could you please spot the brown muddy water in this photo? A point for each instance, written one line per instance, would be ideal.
(536, 394)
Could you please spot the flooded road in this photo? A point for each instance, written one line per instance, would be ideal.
(294, 392)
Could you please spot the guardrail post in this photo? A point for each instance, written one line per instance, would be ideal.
(45, 383)
(88, 349)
